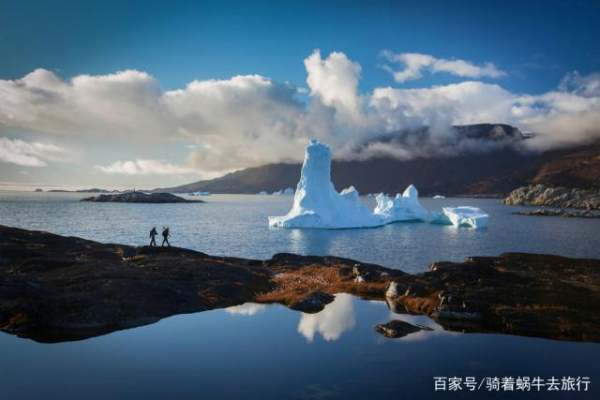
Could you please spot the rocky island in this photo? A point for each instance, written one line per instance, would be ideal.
(140, 197)
(56, 288)
(560, 212)
(556, 197)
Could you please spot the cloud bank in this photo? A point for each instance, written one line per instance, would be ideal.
(250, 120)
(30, 154)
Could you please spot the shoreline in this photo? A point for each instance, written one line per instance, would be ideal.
(55, 288)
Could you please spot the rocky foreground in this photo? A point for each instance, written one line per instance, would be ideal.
(556, 197)
(139, 197)
(55, 288)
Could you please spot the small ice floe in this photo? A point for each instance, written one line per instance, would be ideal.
(464, 216)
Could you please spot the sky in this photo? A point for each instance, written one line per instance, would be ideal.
(147, 94)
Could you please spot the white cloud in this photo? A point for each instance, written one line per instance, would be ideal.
(146, 167)
(334, 80)
(461, 103)
(415, 63)
(252, 120)
(30, 154)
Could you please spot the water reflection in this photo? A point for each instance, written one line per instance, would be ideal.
(421, 320)
(247, 309)
(312, 241)
(336, 318)
(339, 316)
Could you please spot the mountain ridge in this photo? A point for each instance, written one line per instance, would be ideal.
(493, 173)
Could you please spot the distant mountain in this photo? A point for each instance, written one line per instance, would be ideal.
(495, 172)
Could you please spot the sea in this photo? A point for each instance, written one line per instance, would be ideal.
(255, 351)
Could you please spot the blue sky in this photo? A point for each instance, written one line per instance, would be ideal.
(154, 93)
(537, 42)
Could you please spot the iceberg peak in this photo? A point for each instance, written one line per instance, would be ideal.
(318, 205)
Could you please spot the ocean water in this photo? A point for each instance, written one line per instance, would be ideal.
(236, 225)
(270, 352)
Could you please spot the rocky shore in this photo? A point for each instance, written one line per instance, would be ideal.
(559, 212)
(140, 197)
(557, 197)
(55, 288)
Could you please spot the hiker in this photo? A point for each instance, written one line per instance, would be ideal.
(153, 234)
(165, 235)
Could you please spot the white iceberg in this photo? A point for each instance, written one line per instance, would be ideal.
(464, 216)
(318, 205)
(439, 196)
(200, 194)
(284, 192)
(401, 208)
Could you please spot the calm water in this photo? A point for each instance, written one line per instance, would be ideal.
(236, 225)
(271, 352)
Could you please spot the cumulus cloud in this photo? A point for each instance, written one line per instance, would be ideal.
(124, 102)
(30, 154)
(146, 167)
(334, 80)
(415, 63)
(251, 120)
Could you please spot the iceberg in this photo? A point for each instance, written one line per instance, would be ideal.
(464, 216)
(284, 192)
(439, 196)
(401, 208)
(318, 205)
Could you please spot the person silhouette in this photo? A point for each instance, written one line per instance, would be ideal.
(153, 234)
(165, 235)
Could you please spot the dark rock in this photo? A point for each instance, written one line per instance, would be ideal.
(558, 197)
(313, 303)
(397, 328)
(553, 212)
(140, 197)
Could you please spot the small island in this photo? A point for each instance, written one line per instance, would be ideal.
(555, 197)
(139, 197)
(560, 212)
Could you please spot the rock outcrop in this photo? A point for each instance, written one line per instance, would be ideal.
(397, 329)
(559, 212)
(56, 288)
(140, 197)
(557, 197)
